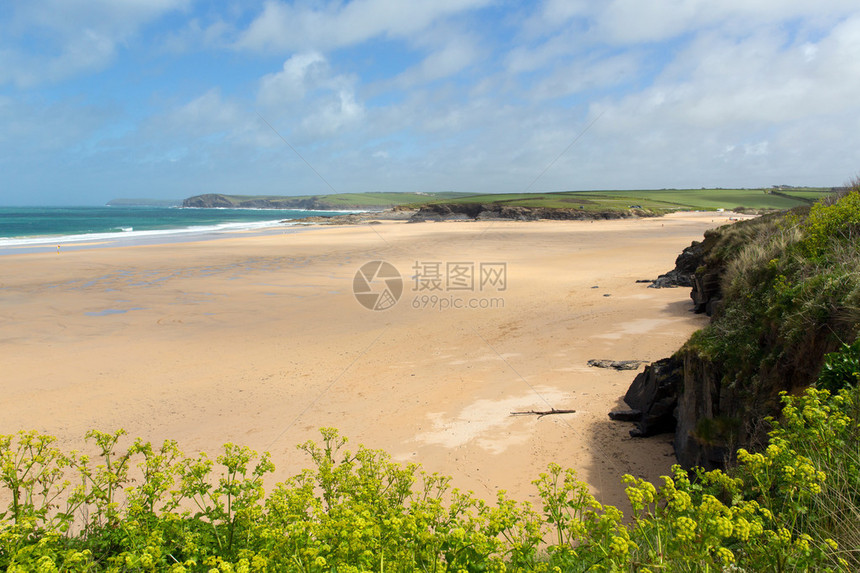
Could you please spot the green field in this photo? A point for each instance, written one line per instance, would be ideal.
(386, 199)
(655, 199)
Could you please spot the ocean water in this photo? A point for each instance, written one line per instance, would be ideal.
(23, 226)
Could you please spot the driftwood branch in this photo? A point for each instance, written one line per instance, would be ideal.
(542, 413)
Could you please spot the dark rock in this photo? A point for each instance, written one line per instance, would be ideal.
(652, 281)
(626, 415)
(207, 201)
(626, 364)
(616, 364)
(654, 392)
(686, 264)
(707, 292)
(500, 211)
(697, 268)
(707, 430)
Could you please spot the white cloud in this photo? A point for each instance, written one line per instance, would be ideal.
(449, 58)
(307, 88)
(283, 27)
(205, 115)
(334, 114)
(73, 36)
(634, 21)
(587, 74)
(718, 109)
(692, 93)
(198, 34)
(300, 73)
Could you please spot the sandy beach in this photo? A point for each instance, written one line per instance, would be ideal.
(259, 340)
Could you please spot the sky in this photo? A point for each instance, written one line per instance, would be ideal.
(103, 99)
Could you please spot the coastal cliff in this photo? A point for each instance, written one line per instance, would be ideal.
(782, 291)
(217, 200)
(484, 211)
(430, 211)
(364, 201)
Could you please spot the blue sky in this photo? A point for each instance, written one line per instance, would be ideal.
(102, 99)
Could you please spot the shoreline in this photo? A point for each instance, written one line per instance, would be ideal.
(35, 228)
(257, 339)
(49, 243)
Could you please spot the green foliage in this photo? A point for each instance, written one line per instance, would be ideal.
(824, 430)
(841, 369)
(827, 225)
(359, 511)
(791, 293)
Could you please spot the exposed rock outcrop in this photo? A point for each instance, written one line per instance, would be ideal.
(217, 200)
(697, 267)
(718, 391)
(208, 201)
(705, 434)
(683, 394)
(685, 268)
(478, 211)
(370, 218)
(615, 364)
(654, 394)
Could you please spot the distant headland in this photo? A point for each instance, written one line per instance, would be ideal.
(530, 206)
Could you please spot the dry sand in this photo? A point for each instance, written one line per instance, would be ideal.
(258, 340)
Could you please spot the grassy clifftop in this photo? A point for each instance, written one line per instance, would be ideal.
(785, 292)
(655, 200)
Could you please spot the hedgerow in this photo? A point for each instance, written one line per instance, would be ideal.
(791, 507)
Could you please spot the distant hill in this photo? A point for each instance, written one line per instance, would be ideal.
(144, 203)
(648, 201)
(654, 201)
(339, 201)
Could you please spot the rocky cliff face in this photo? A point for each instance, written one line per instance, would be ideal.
(208, 201)
(653, 397)
(476, 211)
(713, 407)
(216, 201)
(705, 434)
(696, 268)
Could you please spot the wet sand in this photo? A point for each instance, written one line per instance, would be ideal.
(259, 340)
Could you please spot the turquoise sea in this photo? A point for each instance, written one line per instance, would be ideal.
(33, 226)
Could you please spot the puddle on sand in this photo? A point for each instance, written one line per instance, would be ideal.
(109, 311)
